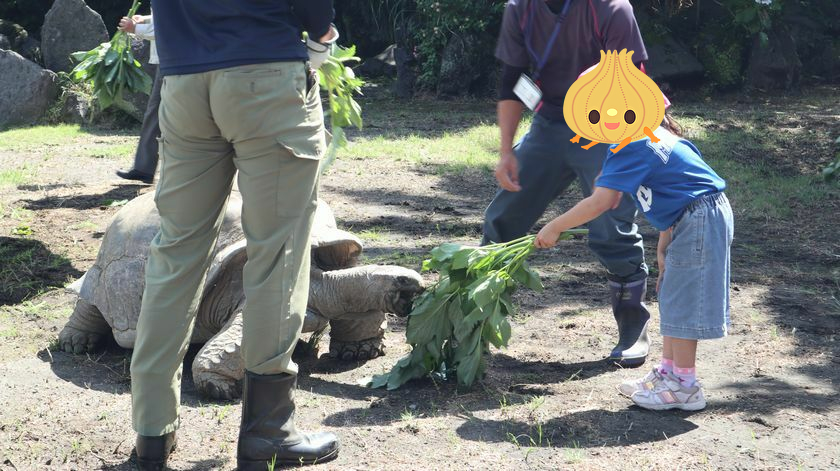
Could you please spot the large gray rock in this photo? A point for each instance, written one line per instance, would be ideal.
(70, 26)
(457, 70)
(76, 108)
(670, 60)
(774, 65)
(26, 90)
(380, 65)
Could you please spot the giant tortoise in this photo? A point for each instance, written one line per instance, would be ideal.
(352, 299)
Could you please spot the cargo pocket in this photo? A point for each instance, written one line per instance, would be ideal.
(686, 248)
(307, 138)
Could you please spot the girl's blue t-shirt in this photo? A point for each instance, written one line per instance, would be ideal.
(662, 177)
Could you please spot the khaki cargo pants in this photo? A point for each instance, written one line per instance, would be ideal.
(260, 120)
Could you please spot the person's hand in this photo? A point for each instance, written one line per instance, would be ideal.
(507, 171)
(547, 237)
(127, 24)
(319, 51)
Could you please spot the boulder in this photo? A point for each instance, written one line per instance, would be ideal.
(457, 71)
(19, 41)
(381, 65)
(26, 90)
(70, 26)
(76, 108)
(5, 43)
(406, 65)
(776, 64)
(14, 34)
(668, 60)
(30, 48)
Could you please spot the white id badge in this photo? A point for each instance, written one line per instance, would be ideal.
(528, 92)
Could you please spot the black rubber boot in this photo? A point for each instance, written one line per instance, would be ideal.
(267, 433)
(135, 175)
(152, 452)
(632, 318)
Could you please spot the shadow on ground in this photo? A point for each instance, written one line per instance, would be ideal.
(28, 268)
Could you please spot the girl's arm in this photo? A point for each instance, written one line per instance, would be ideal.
(601, 200)
(664, 241)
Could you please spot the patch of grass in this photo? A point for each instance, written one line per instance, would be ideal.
(756, 184)
(87, 225)
(15, 177)
(43, 310)
(33, 138)
(403, 259)
(573, 454)
(475, 148)
(110, 151)
(22, 230)
(374, 233)
(22, 215)
(9, 333)
(222, 412)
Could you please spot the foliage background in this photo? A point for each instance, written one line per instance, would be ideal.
(718, 32)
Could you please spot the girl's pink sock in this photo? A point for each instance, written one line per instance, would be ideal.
(687, 376)
(666, 366)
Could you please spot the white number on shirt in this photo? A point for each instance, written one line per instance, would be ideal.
(645, 197)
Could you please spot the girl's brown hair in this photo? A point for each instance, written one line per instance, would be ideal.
(669, 123)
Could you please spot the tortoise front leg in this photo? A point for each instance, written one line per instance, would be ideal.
(84, 330)
(358, 336)
(218, 368)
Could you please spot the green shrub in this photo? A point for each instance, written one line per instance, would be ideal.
(437, 20)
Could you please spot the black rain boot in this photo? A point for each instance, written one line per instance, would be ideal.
(632, 318)
(132, 174)
(268, 433)
(152, 452)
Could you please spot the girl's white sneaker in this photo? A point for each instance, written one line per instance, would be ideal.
(669, 393)
(644, 384)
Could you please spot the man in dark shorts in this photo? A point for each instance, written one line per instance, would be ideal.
(553, 41)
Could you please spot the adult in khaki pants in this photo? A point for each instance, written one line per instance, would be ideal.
(249, 103)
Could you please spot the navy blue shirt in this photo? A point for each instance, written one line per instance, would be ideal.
(200, 35)
(662, 177)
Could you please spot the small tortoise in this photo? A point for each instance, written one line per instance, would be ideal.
(351, 299)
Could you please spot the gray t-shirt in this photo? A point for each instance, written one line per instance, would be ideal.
(590, 27)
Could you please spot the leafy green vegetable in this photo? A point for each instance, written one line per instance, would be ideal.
(455, 321)
(111, 68)
(341, 84)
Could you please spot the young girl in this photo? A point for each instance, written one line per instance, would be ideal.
(682, 197)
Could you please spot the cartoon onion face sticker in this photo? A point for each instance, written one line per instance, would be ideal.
(614, 103)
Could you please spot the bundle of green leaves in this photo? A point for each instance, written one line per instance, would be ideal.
(111, 68)
(454, 322)
(341, 84)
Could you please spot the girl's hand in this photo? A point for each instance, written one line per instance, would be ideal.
(547, 237)
(127, 25)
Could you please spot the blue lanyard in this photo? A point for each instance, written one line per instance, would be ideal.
(540, 63)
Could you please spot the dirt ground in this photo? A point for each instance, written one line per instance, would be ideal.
(548, 402)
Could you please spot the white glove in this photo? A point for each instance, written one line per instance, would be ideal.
(320, 51)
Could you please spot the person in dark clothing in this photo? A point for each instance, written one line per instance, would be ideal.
(544, 45)
(238, 99)
(146, 155)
